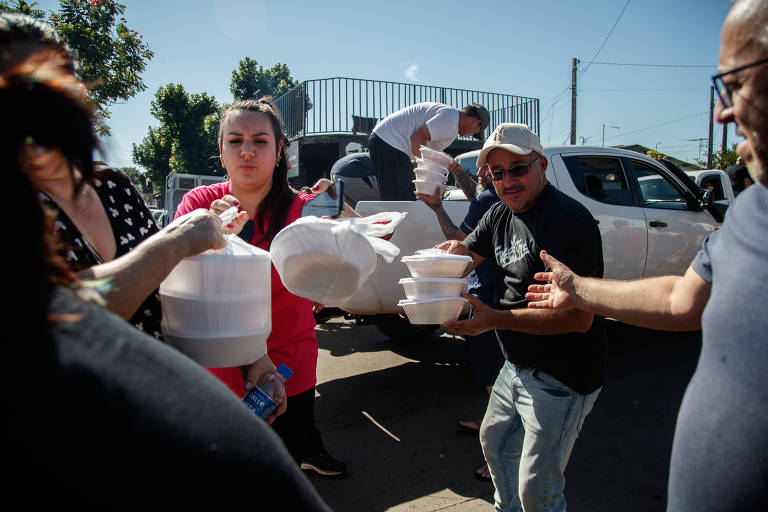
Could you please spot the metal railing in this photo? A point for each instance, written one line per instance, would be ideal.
(353, 105)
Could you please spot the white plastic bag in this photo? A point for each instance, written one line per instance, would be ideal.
(326, 260)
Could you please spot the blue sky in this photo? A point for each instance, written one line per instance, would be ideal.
(511, 47)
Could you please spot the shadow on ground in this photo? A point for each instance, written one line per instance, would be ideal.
(620, 462)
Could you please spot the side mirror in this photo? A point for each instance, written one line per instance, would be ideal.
(705, 198)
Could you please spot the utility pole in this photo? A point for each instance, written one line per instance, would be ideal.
(573, 100)
(724, 147)
(609, 126)
(711, 125)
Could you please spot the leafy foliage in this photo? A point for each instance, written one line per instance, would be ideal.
(250, 80)
(138, 178)
(722, 159)
(186, 141)
(111, 56)
(23, 7)
(154, 155)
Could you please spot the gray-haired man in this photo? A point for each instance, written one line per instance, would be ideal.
(719, 458)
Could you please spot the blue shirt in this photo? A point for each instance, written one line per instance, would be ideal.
(720, 453)
(481, 279)
(354, 165)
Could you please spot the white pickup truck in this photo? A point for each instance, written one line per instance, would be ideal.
(652, 221)
(714, 180)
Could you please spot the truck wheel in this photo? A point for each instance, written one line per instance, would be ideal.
(399, 328)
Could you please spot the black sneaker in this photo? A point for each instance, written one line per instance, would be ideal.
(323, 464)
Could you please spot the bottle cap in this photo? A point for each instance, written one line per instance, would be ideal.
(284, 371)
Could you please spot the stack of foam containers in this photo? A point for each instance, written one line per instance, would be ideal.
(434, 289)
(216, 305)
(431, 171)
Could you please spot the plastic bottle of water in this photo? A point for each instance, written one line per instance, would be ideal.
(266, 395)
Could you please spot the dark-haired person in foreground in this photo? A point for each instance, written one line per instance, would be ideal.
(252, 150)
(105, 228)
(97, 415)
(719, 461)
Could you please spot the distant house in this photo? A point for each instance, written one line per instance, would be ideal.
(686, 166)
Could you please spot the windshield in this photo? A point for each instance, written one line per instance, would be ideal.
(468, 163)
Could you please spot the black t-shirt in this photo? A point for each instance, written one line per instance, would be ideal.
(116, 421)
(566, 230)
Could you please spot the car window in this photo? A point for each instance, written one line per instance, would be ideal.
(656, 189)
(469, 164)
(713, 184)
(601, 178)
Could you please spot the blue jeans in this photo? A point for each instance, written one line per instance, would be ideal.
(527, 435)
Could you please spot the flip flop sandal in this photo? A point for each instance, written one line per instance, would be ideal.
(479, 474)
(472, 426)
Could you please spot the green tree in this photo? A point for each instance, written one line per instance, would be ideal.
(138, 178)
(250, 80)
(186, 141)
(23, 7)
(111, 56)
(154, 155)
(722, 159)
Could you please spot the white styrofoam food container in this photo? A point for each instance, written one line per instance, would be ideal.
(431, 165)
(437, 264)
(322, 260)
(434, 310)
(435, 156)
(429, 187)
(430, 287)
(217, 305)
(429, 175)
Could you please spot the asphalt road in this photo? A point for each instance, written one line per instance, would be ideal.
(390, 410)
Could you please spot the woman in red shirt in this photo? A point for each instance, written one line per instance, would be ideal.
(252, 150)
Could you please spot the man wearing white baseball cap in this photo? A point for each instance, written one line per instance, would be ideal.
(554, 362)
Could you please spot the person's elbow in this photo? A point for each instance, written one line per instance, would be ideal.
(686, 301)
(686, 318)
(582, 321)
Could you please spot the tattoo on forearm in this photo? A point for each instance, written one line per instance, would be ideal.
(447, 226)
(466, 184)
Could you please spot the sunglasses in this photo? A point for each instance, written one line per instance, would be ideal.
(723, 92)
(516, 171)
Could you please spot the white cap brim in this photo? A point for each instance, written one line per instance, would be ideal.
(518, 150)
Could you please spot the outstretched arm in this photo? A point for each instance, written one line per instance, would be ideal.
(135, 275)
(449, 229)
(540, 322)
(673, 303)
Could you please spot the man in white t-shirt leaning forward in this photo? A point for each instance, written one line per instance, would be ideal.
(397, 138)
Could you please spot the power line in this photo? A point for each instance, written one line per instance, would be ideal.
(556, 98)
(651, 65)
(659, 125)
(643, 90)
(606, 39)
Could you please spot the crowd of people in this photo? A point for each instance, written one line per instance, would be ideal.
(128, 408)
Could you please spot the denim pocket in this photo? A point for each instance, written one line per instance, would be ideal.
(551, 385)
